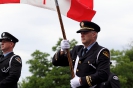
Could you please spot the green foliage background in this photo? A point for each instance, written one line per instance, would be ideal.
(45, 75)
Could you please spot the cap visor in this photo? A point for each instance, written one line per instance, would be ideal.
(83, 30)
(4, 39)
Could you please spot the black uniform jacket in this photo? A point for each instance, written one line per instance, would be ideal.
(92, 71)
(9, 78)
(113, 82)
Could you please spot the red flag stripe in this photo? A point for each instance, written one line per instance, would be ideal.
(44, 1)
(78, 11)
(9, 1)
(88, 3)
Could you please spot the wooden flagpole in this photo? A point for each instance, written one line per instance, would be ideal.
(64, 37)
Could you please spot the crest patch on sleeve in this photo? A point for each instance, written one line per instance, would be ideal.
(106, 53)
(18, 59)
(115, 78)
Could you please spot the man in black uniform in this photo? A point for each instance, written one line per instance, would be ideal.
(90, 60)
(10, 64)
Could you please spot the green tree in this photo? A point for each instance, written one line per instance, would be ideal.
(59, 77)
(44, 74)
(39, 67)
(123, 66)
(39, 64)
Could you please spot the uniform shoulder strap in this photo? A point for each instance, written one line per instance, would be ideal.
(98, 55)
(11, 60)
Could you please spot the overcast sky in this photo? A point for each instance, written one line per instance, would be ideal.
(39, 29)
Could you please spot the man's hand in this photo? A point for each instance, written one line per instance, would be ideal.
(75, 82)
(65, 45)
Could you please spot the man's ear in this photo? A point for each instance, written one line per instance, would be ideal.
(12, 44)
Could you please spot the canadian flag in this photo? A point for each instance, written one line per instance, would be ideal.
(77, 10)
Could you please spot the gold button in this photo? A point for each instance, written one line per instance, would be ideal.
(77, 70)
(73, 60)
(88, 62)
(79, 62)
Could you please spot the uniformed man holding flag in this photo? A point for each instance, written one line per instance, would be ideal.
(90, 60)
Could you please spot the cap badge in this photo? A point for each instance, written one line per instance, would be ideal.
(82, 24)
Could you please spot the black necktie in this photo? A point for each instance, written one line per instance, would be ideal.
(85, 51)
(1, 58)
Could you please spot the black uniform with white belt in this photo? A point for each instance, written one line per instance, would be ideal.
(9, 75)
(93, 67)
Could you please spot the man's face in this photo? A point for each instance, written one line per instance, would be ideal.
(0, 49)
(6, 45)
(88, 38)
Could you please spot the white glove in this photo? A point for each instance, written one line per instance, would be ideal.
(75, 82)
(65, 44)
